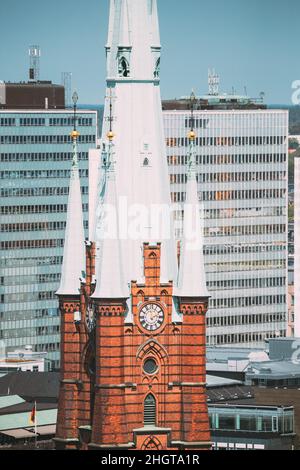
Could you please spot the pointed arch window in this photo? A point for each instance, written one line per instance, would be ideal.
(123, 67)
(157, 69)
(150, 410)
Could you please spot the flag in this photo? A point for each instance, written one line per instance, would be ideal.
(32, 414)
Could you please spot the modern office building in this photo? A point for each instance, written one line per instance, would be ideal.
(242, 180)
(35, 164)
(252, 427)
(296, 317)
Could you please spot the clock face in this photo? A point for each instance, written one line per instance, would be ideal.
(151, 317)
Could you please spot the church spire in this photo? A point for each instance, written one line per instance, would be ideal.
(124, 41)
(191, 277)
(74, 249)
(133, 39)
(141, 170)
(155, 36)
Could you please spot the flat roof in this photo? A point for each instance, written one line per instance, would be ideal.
(10, 400)
(227, 111)
(214, 381)
(21, 420)
(29, 432)
(274, 370)
(47, 111)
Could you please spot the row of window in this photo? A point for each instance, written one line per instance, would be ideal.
(235, 302)
(234, 195)
(242, 249)
(29, 244)
(38, 121)
(226, 141)
(33, 279)
(33, 174)
(37, 209)
(244, 338)
(28, 296)
(29, 332)
(253, 319)
(231, 177)
(45, 139)
(263, 264)
(32, 227)
(33, 192)
(230, 159)
(80, 121)
(251, 423)
(36, 226)
(7, 122)
(244, 230)
(41, 157)
(29, 262)
(244, 212)
(49, 347)
(29, 314)
(257, 283)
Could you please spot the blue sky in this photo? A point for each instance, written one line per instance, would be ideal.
(250, 43)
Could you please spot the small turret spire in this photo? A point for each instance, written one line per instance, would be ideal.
(191, 277)
(110, 279)
(74, 248)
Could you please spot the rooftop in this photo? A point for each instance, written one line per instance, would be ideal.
(41, 386)
(274, 370)
(220, 102)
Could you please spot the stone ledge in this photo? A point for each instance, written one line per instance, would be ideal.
(191, 444)
(119, 386)
(186, 384)
(130, 445)
(152, 430)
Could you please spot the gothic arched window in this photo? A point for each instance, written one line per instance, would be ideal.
(150, 410)
(157, 69)
(123, 67)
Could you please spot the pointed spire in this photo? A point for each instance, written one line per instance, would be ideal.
(155, 36)
(132, 30)
(124, 40)
(110, 279)
(191, 277)
(74, 249)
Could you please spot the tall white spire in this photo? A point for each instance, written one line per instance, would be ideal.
(133, 32)
(124, 40)
(141, 171)
(155, 36)
(191, 276)
(74, 249)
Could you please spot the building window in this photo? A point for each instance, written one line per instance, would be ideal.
(150, 366)
(150, 411)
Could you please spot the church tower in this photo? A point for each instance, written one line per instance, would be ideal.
(133, 329)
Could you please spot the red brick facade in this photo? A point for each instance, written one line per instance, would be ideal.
(105, 407)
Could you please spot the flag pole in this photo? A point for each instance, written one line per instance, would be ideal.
(35, 424)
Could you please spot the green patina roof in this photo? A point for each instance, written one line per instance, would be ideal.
(10, 400)
(22, 420)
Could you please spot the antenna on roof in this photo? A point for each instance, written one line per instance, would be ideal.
(66, 81)
(213, 83)
(34, 67)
